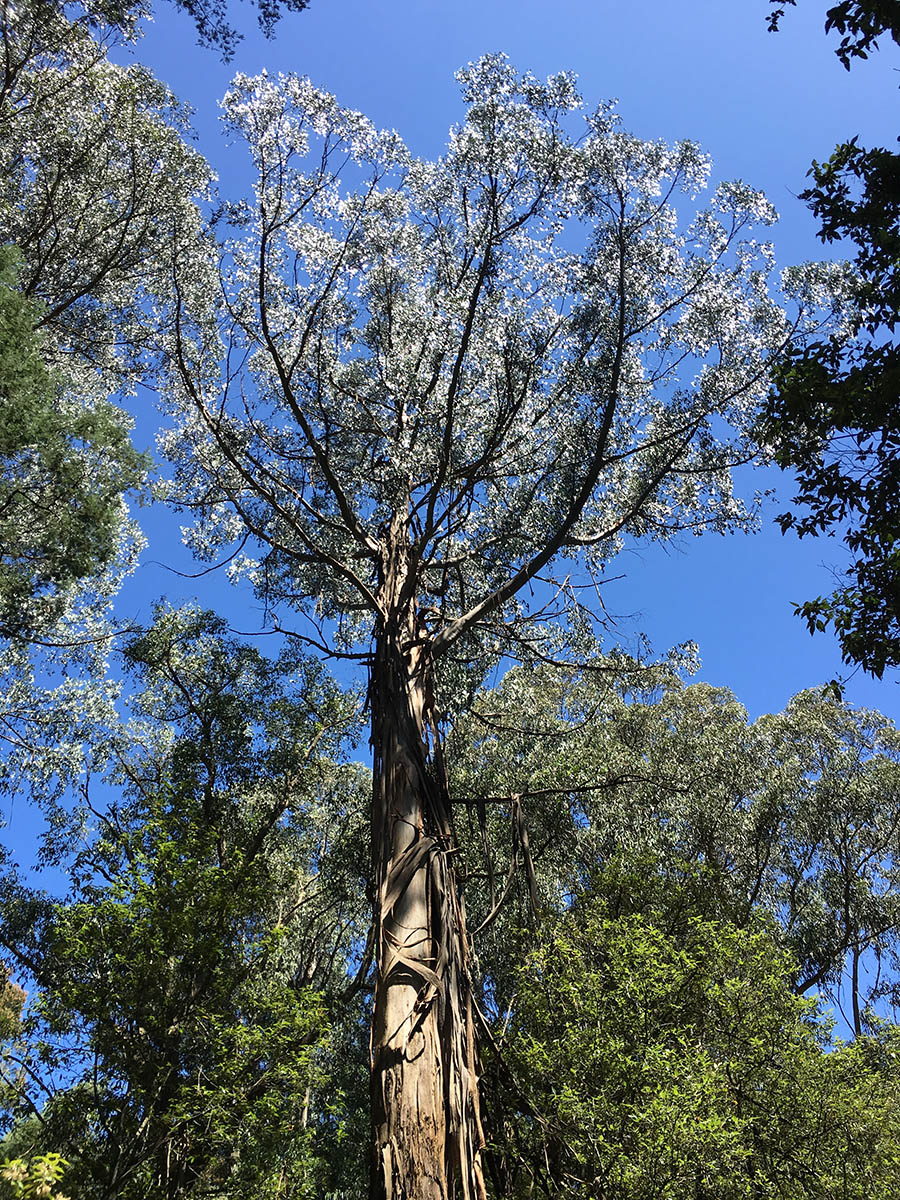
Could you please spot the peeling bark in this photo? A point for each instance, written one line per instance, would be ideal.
(427, 1129)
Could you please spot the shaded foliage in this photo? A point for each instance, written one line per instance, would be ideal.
(215, 30)
(691, 893)
(172, 1044)
(63, 470)
(859, 22)
(655, 1049)
(796, 815)
(663, 898)
(834, 417)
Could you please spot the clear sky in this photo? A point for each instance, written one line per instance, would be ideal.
(762, 105)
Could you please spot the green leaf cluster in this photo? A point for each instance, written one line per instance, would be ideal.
(651, 1051)
(832, 417)
(652, 987)
(859, 22)
(693, 891)
(63, 470)
(35, 1179)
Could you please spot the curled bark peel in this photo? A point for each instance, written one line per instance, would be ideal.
(428, 1137)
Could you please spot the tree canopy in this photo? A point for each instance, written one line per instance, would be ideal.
(420, 344)
(691, 889)
(85, 223)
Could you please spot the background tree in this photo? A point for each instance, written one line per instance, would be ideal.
(87, 216)
(63, 470)
(655, 1050)
(439, 379)
(95, 177)
(704, 888)
(794, 816)
(669, 896)
(185, 989)
(834, 418)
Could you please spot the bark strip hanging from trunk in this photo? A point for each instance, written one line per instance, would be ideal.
(428, 1137)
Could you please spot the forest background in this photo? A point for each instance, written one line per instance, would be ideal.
(762, 106)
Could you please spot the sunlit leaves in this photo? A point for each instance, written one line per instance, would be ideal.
(521, 350)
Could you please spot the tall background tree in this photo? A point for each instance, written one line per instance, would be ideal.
(95, 176)
(440, 380)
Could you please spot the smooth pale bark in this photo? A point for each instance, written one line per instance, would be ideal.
(426, 1120)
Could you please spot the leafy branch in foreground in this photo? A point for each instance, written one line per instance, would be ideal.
(859, 22)
(834, 417)
(35, 1179)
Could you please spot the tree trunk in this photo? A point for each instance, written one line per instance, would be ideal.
(425, 1109)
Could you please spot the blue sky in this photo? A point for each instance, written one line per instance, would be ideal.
(762, 105)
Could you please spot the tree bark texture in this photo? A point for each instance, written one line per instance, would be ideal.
(427, 1129)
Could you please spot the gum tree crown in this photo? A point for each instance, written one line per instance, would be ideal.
(520, 351)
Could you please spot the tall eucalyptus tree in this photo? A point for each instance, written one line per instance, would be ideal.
(424, 384)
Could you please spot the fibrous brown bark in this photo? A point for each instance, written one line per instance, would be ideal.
(426, 1121)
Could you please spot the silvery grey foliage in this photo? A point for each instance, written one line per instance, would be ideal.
(97, 184)
(526, 348)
